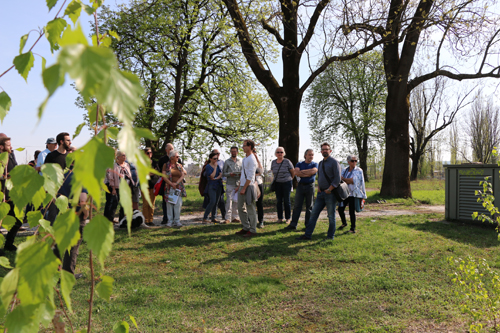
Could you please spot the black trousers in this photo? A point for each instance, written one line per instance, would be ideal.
(69, 260)
(11, 235)
(111, 205)
(352, 212)
(260, 207)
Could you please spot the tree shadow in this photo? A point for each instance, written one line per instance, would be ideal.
(480, 236)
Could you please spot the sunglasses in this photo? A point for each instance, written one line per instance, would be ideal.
(354, 160)
(279, 152)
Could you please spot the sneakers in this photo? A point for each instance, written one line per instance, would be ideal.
(260, 225)
(241, 232)
(226, 222)
(150, 224)
(342, 226)
(236, 221)
(178, 225)
(290, 227)
(279, 221)
(352, 231)
(164, 222)
(169, 225)
(303, 237)
(215, 221)
(205, 221)
(250, 234)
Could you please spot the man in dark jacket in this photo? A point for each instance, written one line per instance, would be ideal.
(5, 146)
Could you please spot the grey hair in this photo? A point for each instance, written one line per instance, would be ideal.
(119, 154)
(308, 150)
(172, 153)
(284, 152)
(350, 157)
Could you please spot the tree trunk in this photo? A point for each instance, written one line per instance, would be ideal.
(415, 165)
(396, 178)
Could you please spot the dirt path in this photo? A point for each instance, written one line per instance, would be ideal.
(381, 210)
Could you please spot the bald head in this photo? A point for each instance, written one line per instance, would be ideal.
(169, 147)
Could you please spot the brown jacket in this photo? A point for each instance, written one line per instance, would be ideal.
(113, 175)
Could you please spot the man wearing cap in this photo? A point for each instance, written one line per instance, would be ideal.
(50, 146)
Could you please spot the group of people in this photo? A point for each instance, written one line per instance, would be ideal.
(240, 201)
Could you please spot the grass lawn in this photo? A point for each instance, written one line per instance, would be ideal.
(392, 276)
(428, 192)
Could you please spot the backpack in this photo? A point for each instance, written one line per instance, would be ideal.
(137, 220)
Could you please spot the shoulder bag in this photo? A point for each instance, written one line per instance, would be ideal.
(273, 184)
(341, 192)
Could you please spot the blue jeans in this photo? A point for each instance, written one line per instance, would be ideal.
(214, 194)
(283, 199)
(303, 191)
(323, 199)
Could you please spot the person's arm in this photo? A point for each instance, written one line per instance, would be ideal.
(335, 167)
(250, 174)
(182, 177)
(225, 170)
(212, 175)
(291, 169)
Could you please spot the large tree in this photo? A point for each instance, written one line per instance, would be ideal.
(296, 27)
(346, 104)
(444, 34)
(196, 84)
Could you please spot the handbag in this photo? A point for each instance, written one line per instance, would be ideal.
(359, 204)
(341, 192)
(159, 187)
(273, 184)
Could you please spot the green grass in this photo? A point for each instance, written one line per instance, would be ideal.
(428, 192)
(390, 276)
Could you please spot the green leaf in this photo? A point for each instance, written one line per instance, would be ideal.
(4, 209)
(2, 241)
(5, 104)
(88, 9)
(91, 163)
(26, 318)
(22, 43)
(20, 149)
(8, 222)
(126, 202)
(73, 10)
(34, 218)
(114, 34)
(90, 67)
(66, 230)
(23, 63)
(105, 287)
(51, 4)
(37, 267)
(122, 94)
(47, 227)
(62, 203)
(53, 177)
(53, 31)
(53, 78)
(7, 289)
(41, 108)
(26, 184)
(4, 262)
(112, 133)
(44, 63)
(133, 321)
(121, 327)
(99, 234)
(67, 282)
(92, 110)
(144, 133)
(73, 37)
(78, 130)
(38, 198)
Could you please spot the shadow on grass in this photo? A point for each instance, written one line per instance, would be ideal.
(480, 236)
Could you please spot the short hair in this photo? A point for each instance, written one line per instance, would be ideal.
(308, 150)
(326, 144)
(172, 153)
(169, 144)
(213, 151)
(37, 152)
(233, 147)
(147, 148)
(351, 156)
(119, 154)
(60, 137)
(284, 152)
(4, 139)
(250, 143)
(212, 155)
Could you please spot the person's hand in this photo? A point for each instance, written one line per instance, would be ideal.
(232, 174)
(243, 190)
(114, 191)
